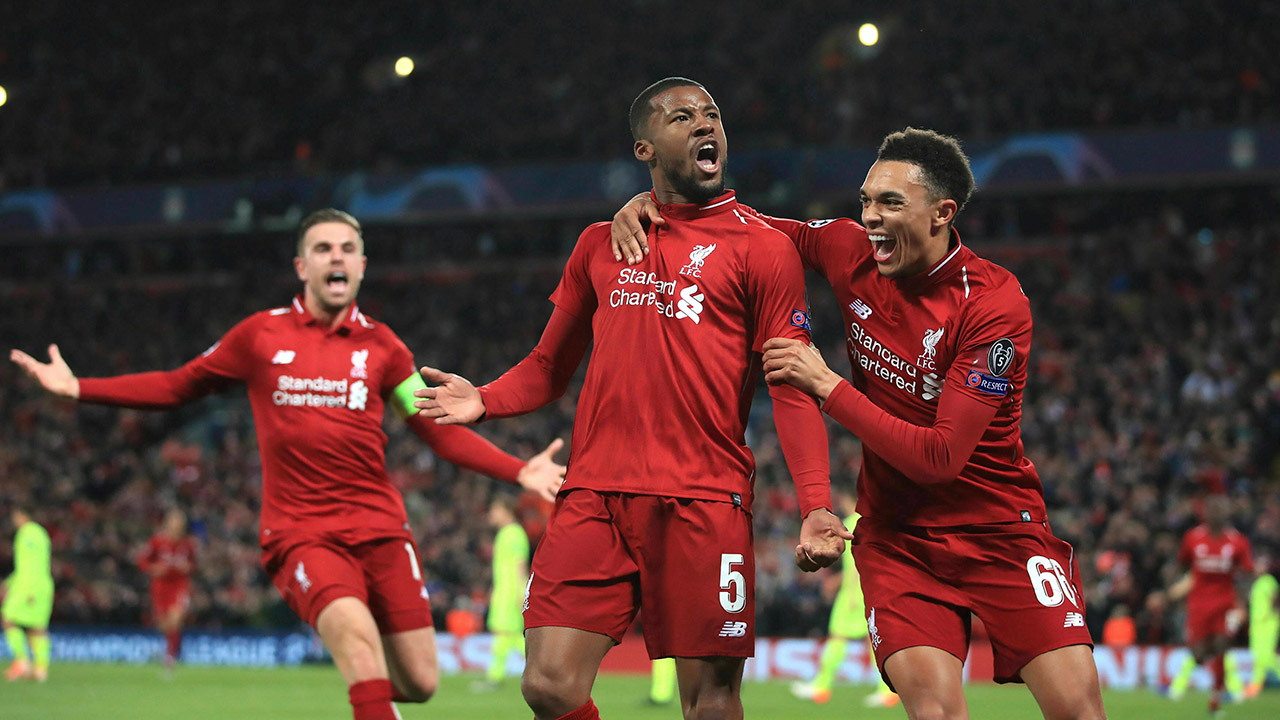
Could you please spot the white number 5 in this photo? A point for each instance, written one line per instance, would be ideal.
(1050, 582)
(733, 587)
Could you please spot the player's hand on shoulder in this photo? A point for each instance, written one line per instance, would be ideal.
(542, 474)
(54, 376)
(450, 399)
(822, 538)
(628, 235)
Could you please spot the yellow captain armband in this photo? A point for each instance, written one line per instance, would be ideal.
(402, 397)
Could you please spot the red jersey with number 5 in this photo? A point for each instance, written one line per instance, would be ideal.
(676, 358)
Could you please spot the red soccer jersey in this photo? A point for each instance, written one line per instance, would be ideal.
(176, 557)
(965, 320)
(317, 396)
(1214, 560)
(675, 361)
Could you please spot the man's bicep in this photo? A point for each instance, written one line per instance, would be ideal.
(777, 286)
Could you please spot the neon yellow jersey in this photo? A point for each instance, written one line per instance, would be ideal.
(510, 565)
(31, 554)
(849, 572)
(1262, 601)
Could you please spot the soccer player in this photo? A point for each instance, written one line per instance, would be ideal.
(1214, 552)
(510, 576)
(848, 622)
(953, 514)
(1264, 623)
(334, 534)
(662, 681)
(655, 511)
(28, 599)
(170, 559)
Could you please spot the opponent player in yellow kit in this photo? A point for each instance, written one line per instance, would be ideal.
(848, 622)
(28, 600)
(510, 576)
(1264, 623)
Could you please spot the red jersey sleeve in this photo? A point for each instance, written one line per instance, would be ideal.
(993, 347)
(814, 240)
(222, 364)
(775, 290)
(459, 445)
(931, 454)
(146, 558)
(575, 294)
(545, 373)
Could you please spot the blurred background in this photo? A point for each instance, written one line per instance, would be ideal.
(155, 160)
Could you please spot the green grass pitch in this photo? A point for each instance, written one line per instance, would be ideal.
(132, 692)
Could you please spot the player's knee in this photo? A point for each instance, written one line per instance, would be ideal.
(550, 693)
(929, 710)
(713, 706)
(419, 687)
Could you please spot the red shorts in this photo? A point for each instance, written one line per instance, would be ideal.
(921, 584)
(1208, 620)
(312, 570)
(168, 594)
(689, 563)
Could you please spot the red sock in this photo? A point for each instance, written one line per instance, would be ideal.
(371, 700)
(173, 643)
(1217, 667)
(586, 712)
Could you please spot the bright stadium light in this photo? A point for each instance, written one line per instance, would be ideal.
(868, 34)
(404, 66)
(4, 96)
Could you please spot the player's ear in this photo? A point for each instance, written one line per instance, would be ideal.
(944, 212)
(300, 266)
(644, 151)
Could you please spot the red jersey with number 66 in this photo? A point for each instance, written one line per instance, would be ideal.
(964, 321)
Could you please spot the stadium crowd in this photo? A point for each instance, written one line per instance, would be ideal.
(1155, 379)
(129, 91)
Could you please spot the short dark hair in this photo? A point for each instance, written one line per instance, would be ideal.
(326, 215)
(642, 107)
(943, 165)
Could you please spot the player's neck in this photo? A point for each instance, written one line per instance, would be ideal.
(327, 318)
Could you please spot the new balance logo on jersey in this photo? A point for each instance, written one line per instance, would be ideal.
(696, 258)
(359, 358)
(690, 303)
(873, 630)
(733, 629)
(300, 574)
(859, 308)
(1074, 619)
(283, 357)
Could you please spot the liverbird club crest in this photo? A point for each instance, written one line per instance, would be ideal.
(930, 342)
(699, 254)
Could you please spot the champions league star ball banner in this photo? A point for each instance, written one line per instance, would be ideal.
(1127, 668)
(1035, 161)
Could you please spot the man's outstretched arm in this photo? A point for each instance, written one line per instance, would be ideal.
(149, 390)
(534, 382)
